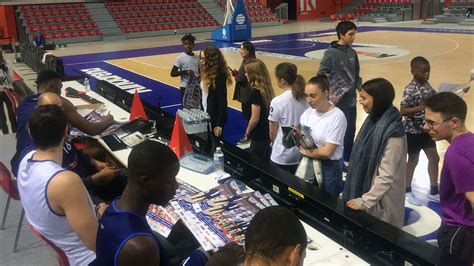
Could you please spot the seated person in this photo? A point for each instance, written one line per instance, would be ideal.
(39, 40)
(275, 236)
(92, 171)
(124, 236)
(55, 201)
(99, 178)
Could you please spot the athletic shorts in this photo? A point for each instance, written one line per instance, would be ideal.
(417, 142)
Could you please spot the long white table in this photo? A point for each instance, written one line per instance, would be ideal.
(328, 252)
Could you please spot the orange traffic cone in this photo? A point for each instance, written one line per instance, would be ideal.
(137, 110)
(179, 139)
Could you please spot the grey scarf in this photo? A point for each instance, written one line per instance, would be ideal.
(368, 149)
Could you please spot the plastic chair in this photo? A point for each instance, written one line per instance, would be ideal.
(61, 256)
(9, 186)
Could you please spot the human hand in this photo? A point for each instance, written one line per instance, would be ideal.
(98, 164)
(218, 131)
(100, 209)
(352, 204)
(106, 174)
(108, 118)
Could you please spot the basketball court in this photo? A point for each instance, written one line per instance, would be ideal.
(384, 51)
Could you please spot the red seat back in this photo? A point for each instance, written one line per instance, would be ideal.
(8, 183)
(61, 256)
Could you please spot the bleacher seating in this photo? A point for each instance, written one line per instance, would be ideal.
(256, 11)
(65, 22)
(157, 15)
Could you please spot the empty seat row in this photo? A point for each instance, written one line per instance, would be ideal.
(365, 7)
(139, 2)
(76, 26)
(157, 13)
(169, 27)
(267, 19)
(387, 1)
(135, 22)
(152, 7)
(71, 34)
(119, 17)
(46, 21)
(53, 13)
(51, 6)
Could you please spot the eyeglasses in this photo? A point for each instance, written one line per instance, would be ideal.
(431, 124)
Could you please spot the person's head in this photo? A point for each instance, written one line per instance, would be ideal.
(188, 42)
(445, 113)
(317, 91)
(49, 98)
(259, 78)
(287, 76)
(275, 234)
(376, 96)
(152, 170)
(247, 51)
(49, 81)
(229, 255)
(48, 127)
(212, 62)
(346, 32)
(420, 68)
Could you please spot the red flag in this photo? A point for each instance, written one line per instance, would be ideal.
(179, 139)
(137, 110)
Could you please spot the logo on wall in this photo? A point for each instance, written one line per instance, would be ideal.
(240, 19)
(307, 6)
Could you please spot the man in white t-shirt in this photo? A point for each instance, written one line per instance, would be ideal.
(187, 63)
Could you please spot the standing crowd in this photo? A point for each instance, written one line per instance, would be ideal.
(308, 130)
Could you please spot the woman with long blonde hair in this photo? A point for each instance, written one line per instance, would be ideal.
(215, 77)
(260, 98)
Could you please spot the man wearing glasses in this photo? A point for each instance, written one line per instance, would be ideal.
(445, 114)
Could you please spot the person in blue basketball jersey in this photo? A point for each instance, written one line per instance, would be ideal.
(124, 236)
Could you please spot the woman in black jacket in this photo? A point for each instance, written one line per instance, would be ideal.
(215, 77)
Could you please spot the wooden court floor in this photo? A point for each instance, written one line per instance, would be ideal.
(451, 57)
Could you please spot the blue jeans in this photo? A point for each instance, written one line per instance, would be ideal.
(332, 176)
(351, 115)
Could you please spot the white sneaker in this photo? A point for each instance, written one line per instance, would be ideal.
(410, 197)
(433, 198)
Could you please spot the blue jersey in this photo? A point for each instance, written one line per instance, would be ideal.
(73, 160)
(116, 227)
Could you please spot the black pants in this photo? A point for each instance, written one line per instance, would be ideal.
(11, 116)
(351, 114)
(457, 241)
(291, 168)
(260, 148)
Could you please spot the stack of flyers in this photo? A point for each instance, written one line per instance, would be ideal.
(162, 219)
(220, 215)
(95, 117)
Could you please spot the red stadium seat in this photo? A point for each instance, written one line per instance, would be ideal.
(73, 34)
(64, 35)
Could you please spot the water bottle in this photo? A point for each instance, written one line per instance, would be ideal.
(219, 159)
(87, 85)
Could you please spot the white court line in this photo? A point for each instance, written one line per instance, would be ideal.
(89, 62)
(157, 79)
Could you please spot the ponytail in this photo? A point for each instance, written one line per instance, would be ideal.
(298, 88)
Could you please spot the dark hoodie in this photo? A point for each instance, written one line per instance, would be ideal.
(335, 59)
